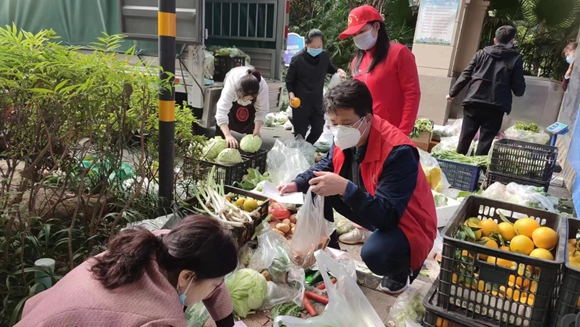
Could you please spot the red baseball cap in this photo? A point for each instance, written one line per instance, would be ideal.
(358, 18)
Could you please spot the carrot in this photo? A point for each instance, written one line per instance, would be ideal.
(309, 307)
(316, 297)
(322, 286)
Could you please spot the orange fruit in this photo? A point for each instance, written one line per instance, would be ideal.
(526, 226)
(501, 262)
(542, 254)
(545, 238)
(490, 244)
(505, 248)
(522, 244)
(518, 281)
(488, 226)
(477, 230)
(295, 103)
(507, 231)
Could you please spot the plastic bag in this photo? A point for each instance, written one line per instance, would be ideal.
(272, 254)
(432, 262)
(527, 136)
(342, 224)
(208, 64)
(530, 196)
(306, 148)
(196, 315)
(312, 231)
(435, 176)
(347, 306)
(408, 309)
(284, 163)
(292, 291)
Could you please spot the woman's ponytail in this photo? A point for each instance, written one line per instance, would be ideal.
(249, 84)
(127, 257)
(254, 72)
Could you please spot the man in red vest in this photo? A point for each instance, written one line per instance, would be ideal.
(373, 177)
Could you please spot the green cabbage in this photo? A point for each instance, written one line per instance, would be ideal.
(213, 148)
(229, 157)
(251, 143)
(248, 289)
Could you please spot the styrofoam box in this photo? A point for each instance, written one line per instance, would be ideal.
(445, 213)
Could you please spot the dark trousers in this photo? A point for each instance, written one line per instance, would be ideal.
(486, 118)
(386, 253)
(305, 116)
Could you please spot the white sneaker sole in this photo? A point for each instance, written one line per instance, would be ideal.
(352, 242)
(386, 290)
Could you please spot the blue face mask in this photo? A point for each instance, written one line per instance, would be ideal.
(183, 295)
(314, 52)
(569, 59)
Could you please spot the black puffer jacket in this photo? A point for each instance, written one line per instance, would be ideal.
(493, 74)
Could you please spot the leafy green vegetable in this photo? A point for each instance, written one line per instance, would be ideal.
(229, 156)
(531, 127)
(322, 147)
(251, 180)
(213, 148)
(251, 143)
(286, 309)
(248, 289)
(421, 125)
(440, 200)
(482, 161)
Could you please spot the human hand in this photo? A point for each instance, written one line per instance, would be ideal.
(231, 141)
(288, 188)
(342, 73)
(291, 95)
(328, 184)
(257, 133)
(449, 98)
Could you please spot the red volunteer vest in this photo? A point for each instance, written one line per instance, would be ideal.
(419, 222)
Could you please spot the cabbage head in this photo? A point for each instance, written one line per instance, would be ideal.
(251, 143)
(213, 148)
(248, 289)
(229, 156)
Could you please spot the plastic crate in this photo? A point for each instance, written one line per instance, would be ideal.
(437, 317)
(523, 160)
(223, 64)
(505, 179)
(228, 173)
(460, 175)
(569, 297)
(509, 289)
(256, 160)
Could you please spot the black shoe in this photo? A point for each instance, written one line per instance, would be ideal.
(391, 285)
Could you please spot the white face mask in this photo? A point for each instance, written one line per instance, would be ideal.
(366, 40)
(346, 137)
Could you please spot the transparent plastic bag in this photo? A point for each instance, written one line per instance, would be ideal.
(284, 163)
(347, 306)
(306, 148)
(272, 254)
(527, 136)
(432, 262)
(312, 231)
(530, 196)
(408, 309)
(435, 176)
(196, 315)
(292, 291)
(342, 224)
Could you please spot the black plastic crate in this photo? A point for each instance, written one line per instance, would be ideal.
(256, 160)
(460, 175)
(509, 289)
(569, 297)
(228, 173)
(437, 317)
(523, 160)
(505, 179)
(223, 64)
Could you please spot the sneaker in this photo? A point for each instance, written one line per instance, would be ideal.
(393, 287)
(355, 236)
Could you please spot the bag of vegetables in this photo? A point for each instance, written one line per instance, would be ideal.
(527, 133)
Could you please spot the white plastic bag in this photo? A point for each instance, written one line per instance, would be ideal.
(306, 148)
(312, 231)
(527, 136)
(292, 291)
(408, 309)
(431, 263)
(284, 163)
(347, 306)
(525, 195)
(429, 162)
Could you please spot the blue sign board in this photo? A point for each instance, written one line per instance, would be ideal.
(294, 43)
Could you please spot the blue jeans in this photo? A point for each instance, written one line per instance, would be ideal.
(386, 253)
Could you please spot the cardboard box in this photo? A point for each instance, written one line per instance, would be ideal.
(423, 141)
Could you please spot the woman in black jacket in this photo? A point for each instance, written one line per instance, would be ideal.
(305, 80)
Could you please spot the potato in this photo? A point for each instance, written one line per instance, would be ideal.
(292, 230)
(279, 232)
(267, 275)
(284, 228)
(286, 221)
(292, 225)
(293, 218)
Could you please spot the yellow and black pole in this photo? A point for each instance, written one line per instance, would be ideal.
(166, 30)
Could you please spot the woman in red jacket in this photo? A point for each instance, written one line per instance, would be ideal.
(387, 68)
